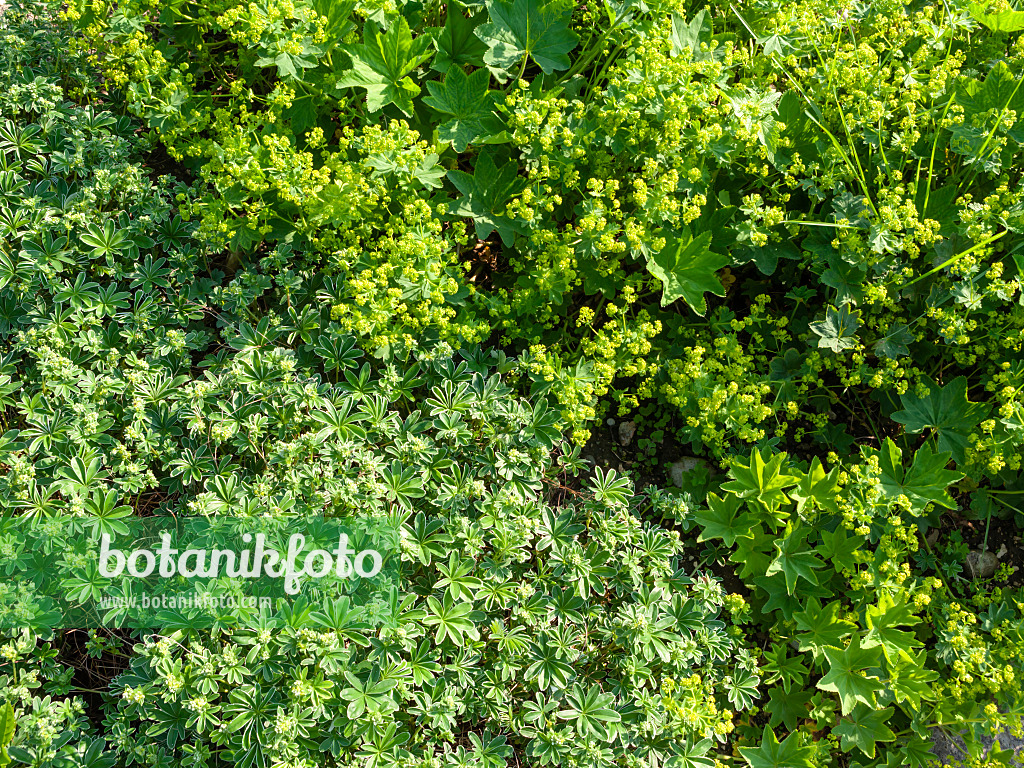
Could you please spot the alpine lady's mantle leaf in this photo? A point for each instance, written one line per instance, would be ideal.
(526, 28)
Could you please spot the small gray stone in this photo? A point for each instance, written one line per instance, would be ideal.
(627, 429)
(981, 565)
(681, 467)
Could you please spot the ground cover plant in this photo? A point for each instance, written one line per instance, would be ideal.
(407, 261)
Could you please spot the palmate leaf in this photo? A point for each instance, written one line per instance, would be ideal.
(925, 482)
(741, 689)
(721, 520)
(756, 113)
(910, 679)
(817, 486)
(688, 35)
(1000, 90)
(470, 104)
(863, 728)
(883, 621)
(590, 711)
(1004, 21)
(947, 411)
(290, 65)
(760, 480)
(531, 28)
(787, 708)
(795, 561)
(486, 194)
(780, 599)
(838, 331)
(839, 548)
(847, 674)
(773, 754)
(753, 553)
(687, 268)
(382, 64)
(985, 104)
(455, 42)
(337, 13)
(694, 755)
(894, 344)
(778, 665)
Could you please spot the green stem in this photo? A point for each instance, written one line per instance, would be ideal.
(954, 259)
(935, 142)
(995, 127)
(595, 50)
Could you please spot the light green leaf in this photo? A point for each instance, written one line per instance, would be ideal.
(864, 728)
(910, 679)
(847, 674)
(760, 480)
(688, 35)
(838, 330)
(687, 268)
(1004, 21)
(925, 482)
(721, 520)
(839, 548)
(794, 561)
(819, 626)
(694, 755)
(382, 64)
(817, 486)
(337, 13)
(772, 754)
(7, 719)
(883, 621)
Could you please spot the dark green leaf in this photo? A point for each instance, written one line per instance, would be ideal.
(531, 28)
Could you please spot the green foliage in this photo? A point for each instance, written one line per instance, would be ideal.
(773, 754)
(686, 269)
(627, 155)
(7, 720)
(469, 103)
(486, 194)
(381, 66)
(522, 28)
(396, 251)
(947, 412)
